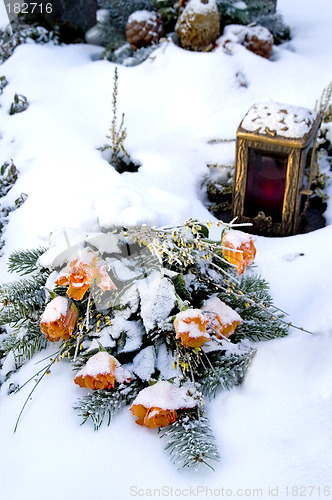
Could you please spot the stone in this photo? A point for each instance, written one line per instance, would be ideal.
(198, 26)
(79, 13)
(259, 40)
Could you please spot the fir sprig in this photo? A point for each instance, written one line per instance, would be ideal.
(252, 299)
(224, 371)
(25, 261)
(190, 441)
(24, 347)
(24, 297)
(103, 404)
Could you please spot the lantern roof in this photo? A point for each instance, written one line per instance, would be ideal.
(289, 125)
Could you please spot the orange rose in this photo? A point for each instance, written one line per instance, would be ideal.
(190, 326)
(59, 319)
(238, 249)
(101, 372)
(156, 405)
(222, 319)
(81, 276)
(153, 417)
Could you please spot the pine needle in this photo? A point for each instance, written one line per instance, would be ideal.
(189, 441)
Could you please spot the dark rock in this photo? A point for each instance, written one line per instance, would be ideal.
(80, 13)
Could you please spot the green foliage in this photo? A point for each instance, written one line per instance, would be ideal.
(126, 56)
(23, 302)
(324, 104)
(17, 33)
(19, 104)
(189, 441)
(8, 177)
(119, 159)
(224, 371)
(25, 261)
(113, 28)
(276, 25)
(3, 83)
(260, 12)
(24, 347)
(231, 12)
(103, 404)
(252, 299)
(120, 10)
(24, 296)
(168, 10)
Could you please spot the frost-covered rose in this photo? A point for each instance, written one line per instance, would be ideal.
(190, 327)
(153, 417)
(81, 274)
(222, 319)
(101, 372)
(238, 249)
(59, 319)
(157, 405)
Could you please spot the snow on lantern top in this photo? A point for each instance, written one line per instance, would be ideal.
(275, 119)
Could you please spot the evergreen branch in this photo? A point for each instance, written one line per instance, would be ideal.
(25, 261)
(25, 296)
(224, 371)
(189, 441)
(252, 300)
(10, 316)
(102, 404)
(24, 347)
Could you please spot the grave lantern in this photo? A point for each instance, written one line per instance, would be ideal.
(274, 155)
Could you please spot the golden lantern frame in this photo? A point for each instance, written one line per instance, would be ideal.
(297, 150)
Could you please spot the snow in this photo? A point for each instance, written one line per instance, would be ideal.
(200, 6)
(103, 363)
(226, 314)
(142, 16)
(144, 363)
(157, 299)
(165, 364)
(99, 363)
(237, 238)
(184, 323)
(166, 396)
(285, 120)
(132, 329)
(236, 33)
(274, 431)
(55, 309)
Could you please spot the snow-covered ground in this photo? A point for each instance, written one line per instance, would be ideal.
(274, 432)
